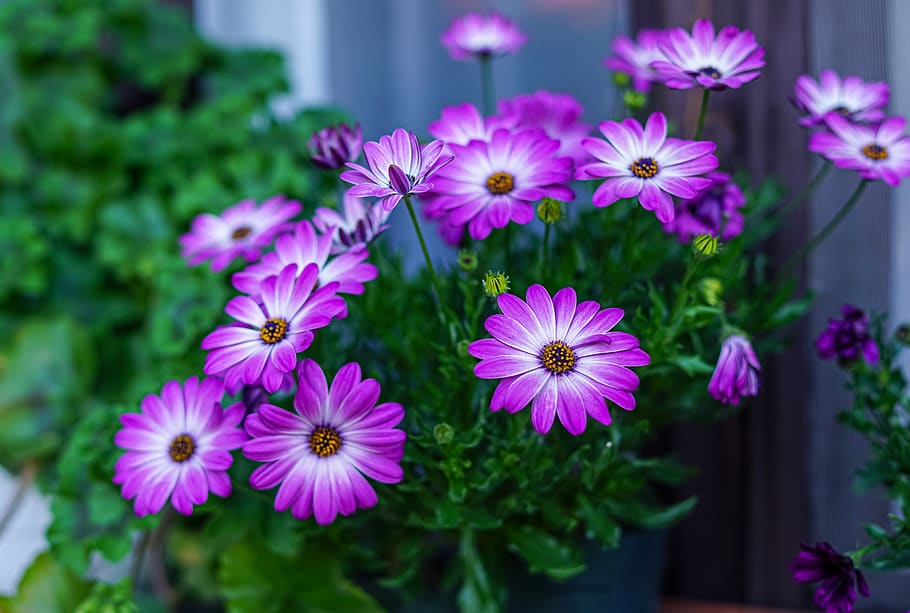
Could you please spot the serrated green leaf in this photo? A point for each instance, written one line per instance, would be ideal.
(543, 553)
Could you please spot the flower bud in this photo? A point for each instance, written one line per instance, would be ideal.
(549, 210)
(705, 244)
(467, 260)
(443, 433)
(462, 349)
(495, 283)
(711, 289)
(634, 100)
(621, 79)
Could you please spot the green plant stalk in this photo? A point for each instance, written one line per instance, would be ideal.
(426, 254)
(543, 250)
(785, 209)
(701, 114)
(476, 595)
(816, 240)
(486, 85)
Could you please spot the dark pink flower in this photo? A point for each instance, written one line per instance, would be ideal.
(179, 446)
(848, 339)
(362, 222)
(332, 147)
(851, 97)
(559, 356)
(241, 230)
(716, 210)
(320, 454)
(645, 163)
(837, 574)
(634, 57)
(737, 370)
(880, 151)
(732, 59)
(475, 35)
(558, 115)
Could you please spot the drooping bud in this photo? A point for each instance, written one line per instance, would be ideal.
(549, 210)
(495, 283)
(705, 244)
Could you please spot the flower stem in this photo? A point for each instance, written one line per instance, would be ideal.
(816, 240)
(543, 250)
(787, 208)
(426, 254)
(701, 114)
(486, 85)
(507, 240)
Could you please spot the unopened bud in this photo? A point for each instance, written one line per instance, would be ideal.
(634, 100)
(712, 289)
(621, 79)
(549, 210)
(462, 349)
(495, 283)
(467, 260)
(443, 433)
(705, 244)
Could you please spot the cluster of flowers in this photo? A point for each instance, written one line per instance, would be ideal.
(551, 352)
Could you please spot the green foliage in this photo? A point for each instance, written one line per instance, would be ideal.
(110, 598)
(46, 587)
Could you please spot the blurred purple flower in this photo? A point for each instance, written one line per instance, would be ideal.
(837, 574)
(634, 58)
(736, 373)
(851, 97)
(332, 147)
(848, 339)
(715, 210)
(362, 222)
(475, 35)
(879, 151)
(558, 115)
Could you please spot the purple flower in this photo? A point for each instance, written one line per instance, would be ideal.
(462, 123)
(320, 454)
(559, 356)
(837, 593)
(399, 167)
(647, 164)
(241, 230)
(736, 373)
(699, 59)
(634, 58)
(848, 339)
(332, 147)
(714, 210)
(877, 152)
(303, 247)
(361, 224)
(178, 446)
(476, 35)
(263, 345)
(556, 114)
(496, 181)
(851, 97)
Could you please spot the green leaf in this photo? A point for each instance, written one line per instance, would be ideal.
(543, 553)
(692, 365)
(599, 523)
(641, 515)
(110, 598)
(47, 587)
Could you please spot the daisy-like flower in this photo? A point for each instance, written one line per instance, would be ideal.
(848, 339)
(241, 230)
(839, 578)
(737, 370)
(476, 35)
(647, 164)
(716, 210)
(399, 167)
(320, 454)
(332, 147)
(462, 123)
(262, 347)
(879, 151)
(559, 356)
(497, 181)
(305, 247)
(851, 97)
(634, 58)
(178, 446)
(362, 222)
(732, 59)
(556, 114)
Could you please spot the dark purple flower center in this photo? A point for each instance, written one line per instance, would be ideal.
(875, 152)
(557, 357)
(273, 330)
(841, 110)
(644, 168)
(325, 441)
(241, 232)
(709, 71)
(182, 448)
(500, 183)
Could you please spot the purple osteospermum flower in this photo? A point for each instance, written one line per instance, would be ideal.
(634, 58)
(362, 222)
(263, 345)
(837, 574)
(496, 181)
(241, 230)
(852, 98)
(556, 114)
(462, 123)
(714, 210)
(647, 164)
(736, 373)
(477, 35)
(699, 59)
(332, 147)
(399, 167)
(178, 446)
(559, 356)
(880, 151)
(305, 247)
(848, 339)
(320, 454)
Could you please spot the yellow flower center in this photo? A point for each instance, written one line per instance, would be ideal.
(500, 183)
(875, 152)
(182, 448)
(241, 232)
(558, 358)
(644, 168)
(273, 330)
(709, 71)
(325, 441)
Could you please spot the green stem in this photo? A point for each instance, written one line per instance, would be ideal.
(486, 85)
(816, 240)
(787, 208)
(426, 254)
(543, 251)
(506, 246)
(476, 595)
(701, 114)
